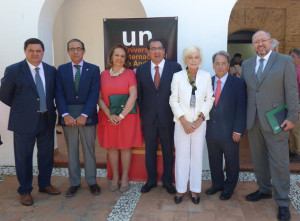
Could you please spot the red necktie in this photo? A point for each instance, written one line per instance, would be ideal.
(218, 92)
(156, 77)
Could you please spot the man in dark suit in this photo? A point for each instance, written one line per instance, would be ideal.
(225, 127)
(271, 82)
(28, 87)
(154, 80)
(77, 94)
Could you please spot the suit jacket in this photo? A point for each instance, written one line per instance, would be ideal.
(88, 90)
(155, 103)
(229, 115)
(278, 85)
(18, 90)
(182, 92)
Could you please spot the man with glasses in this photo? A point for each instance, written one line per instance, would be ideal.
(271, 82)
(77, 93)
(28, 87)
(154, 82)
(225, 127)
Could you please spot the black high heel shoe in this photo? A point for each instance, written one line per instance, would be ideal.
(195, 200)
(178, 199)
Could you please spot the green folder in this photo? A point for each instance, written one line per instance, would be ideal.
(276, 117)
(117, 103)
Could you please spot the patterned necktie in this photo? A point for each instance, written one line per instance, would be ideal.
(41, 91)
(218, 92)
(77, 77)
(156, 77)
(260, 69)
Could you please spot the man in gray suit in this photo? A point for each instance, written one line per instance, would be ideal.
(271, 81)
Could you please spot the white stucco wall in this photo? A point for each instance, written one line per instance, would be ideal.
(201, 22)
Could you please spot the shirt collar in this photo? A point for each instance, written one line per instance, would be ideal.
(160, 65)
(80, 63)
(266, 57)
(32, 67)
(223, 79)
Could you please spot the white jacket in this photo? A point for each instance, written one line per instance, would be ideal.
(181, 95)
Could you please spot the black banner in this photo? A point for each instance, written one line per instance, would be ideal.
(134, 33)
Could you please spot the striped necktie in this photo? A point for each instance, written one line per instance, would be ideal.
(77, 77)
(41, 91)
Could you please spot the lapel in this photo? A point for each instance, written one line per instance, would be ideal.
(47, 79)
(27, 73)
(84, 73)
(226, 88)
(148, 75)
(70, 77)
(252, 64)
(164, 74)
(268, 66)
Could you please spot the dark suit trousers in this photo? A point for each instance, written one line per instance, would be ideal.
(166, 135)
(230, 150)
(270, 156)
(23, 147)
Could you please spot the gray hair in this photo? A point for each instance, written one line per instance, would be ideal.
(222, 53)
(191, 49)
(268, 33)
(296, 51)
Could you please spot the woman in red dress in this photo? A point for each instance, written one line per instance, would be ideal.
(118, 132)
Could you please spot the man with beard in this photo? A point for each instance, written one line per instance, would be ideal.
(271, 82)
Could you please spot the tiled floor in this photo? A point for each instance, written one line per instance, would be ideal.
(152, 206)
(61, 155)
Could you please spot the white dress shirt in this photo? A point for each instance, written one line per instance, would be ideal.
(41, 72)
(223, 81)
(266, 58)
(161, 67)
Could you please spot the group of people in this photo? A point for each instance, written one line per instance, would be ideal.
(182, 107)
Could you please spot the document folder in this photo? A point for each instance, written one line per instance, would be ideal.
(276, 118)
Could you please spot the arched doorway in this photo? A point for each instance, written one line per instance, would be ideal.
(274, 16)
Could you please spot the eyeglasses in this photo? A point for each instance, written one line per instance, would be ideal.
(76, 49)
(220, 64)
(156, 49)
(261, 42)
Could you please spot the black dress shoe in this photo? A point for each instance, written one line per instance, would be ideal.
(170, 188)
(212, 191)
(258, 195)
(226, 195)
(178, 199)
(147, 187)
(283, 213)
(195, 200)
(72, 191)
(95, 189)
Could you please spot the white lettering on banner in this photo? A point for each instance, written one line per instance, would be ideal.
(133, 38)
(141, 36)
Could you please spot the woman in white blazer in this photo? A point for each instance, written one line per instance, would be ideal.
(191, 100)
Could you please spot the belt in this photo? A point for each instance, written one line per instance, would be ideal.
(43, 114)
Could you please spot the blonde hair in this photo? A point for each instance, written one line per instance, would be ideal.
(191, 49)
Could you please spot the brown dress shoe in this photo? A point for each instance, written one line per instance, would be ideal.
(51, 190)
(95, 189)
(26, 199)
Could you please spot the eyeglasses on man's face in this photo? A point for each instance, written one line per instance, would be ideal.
(156, 49)
(79, 49)
(261, 42)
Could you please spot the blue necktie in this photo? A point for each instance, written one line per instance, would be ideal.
(41, 91)
(260, 69)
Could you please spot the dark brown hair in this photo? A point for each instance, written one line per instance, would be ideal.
(109, 62)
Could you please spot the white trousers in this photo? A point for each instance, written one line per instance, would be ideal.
(188, 158)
